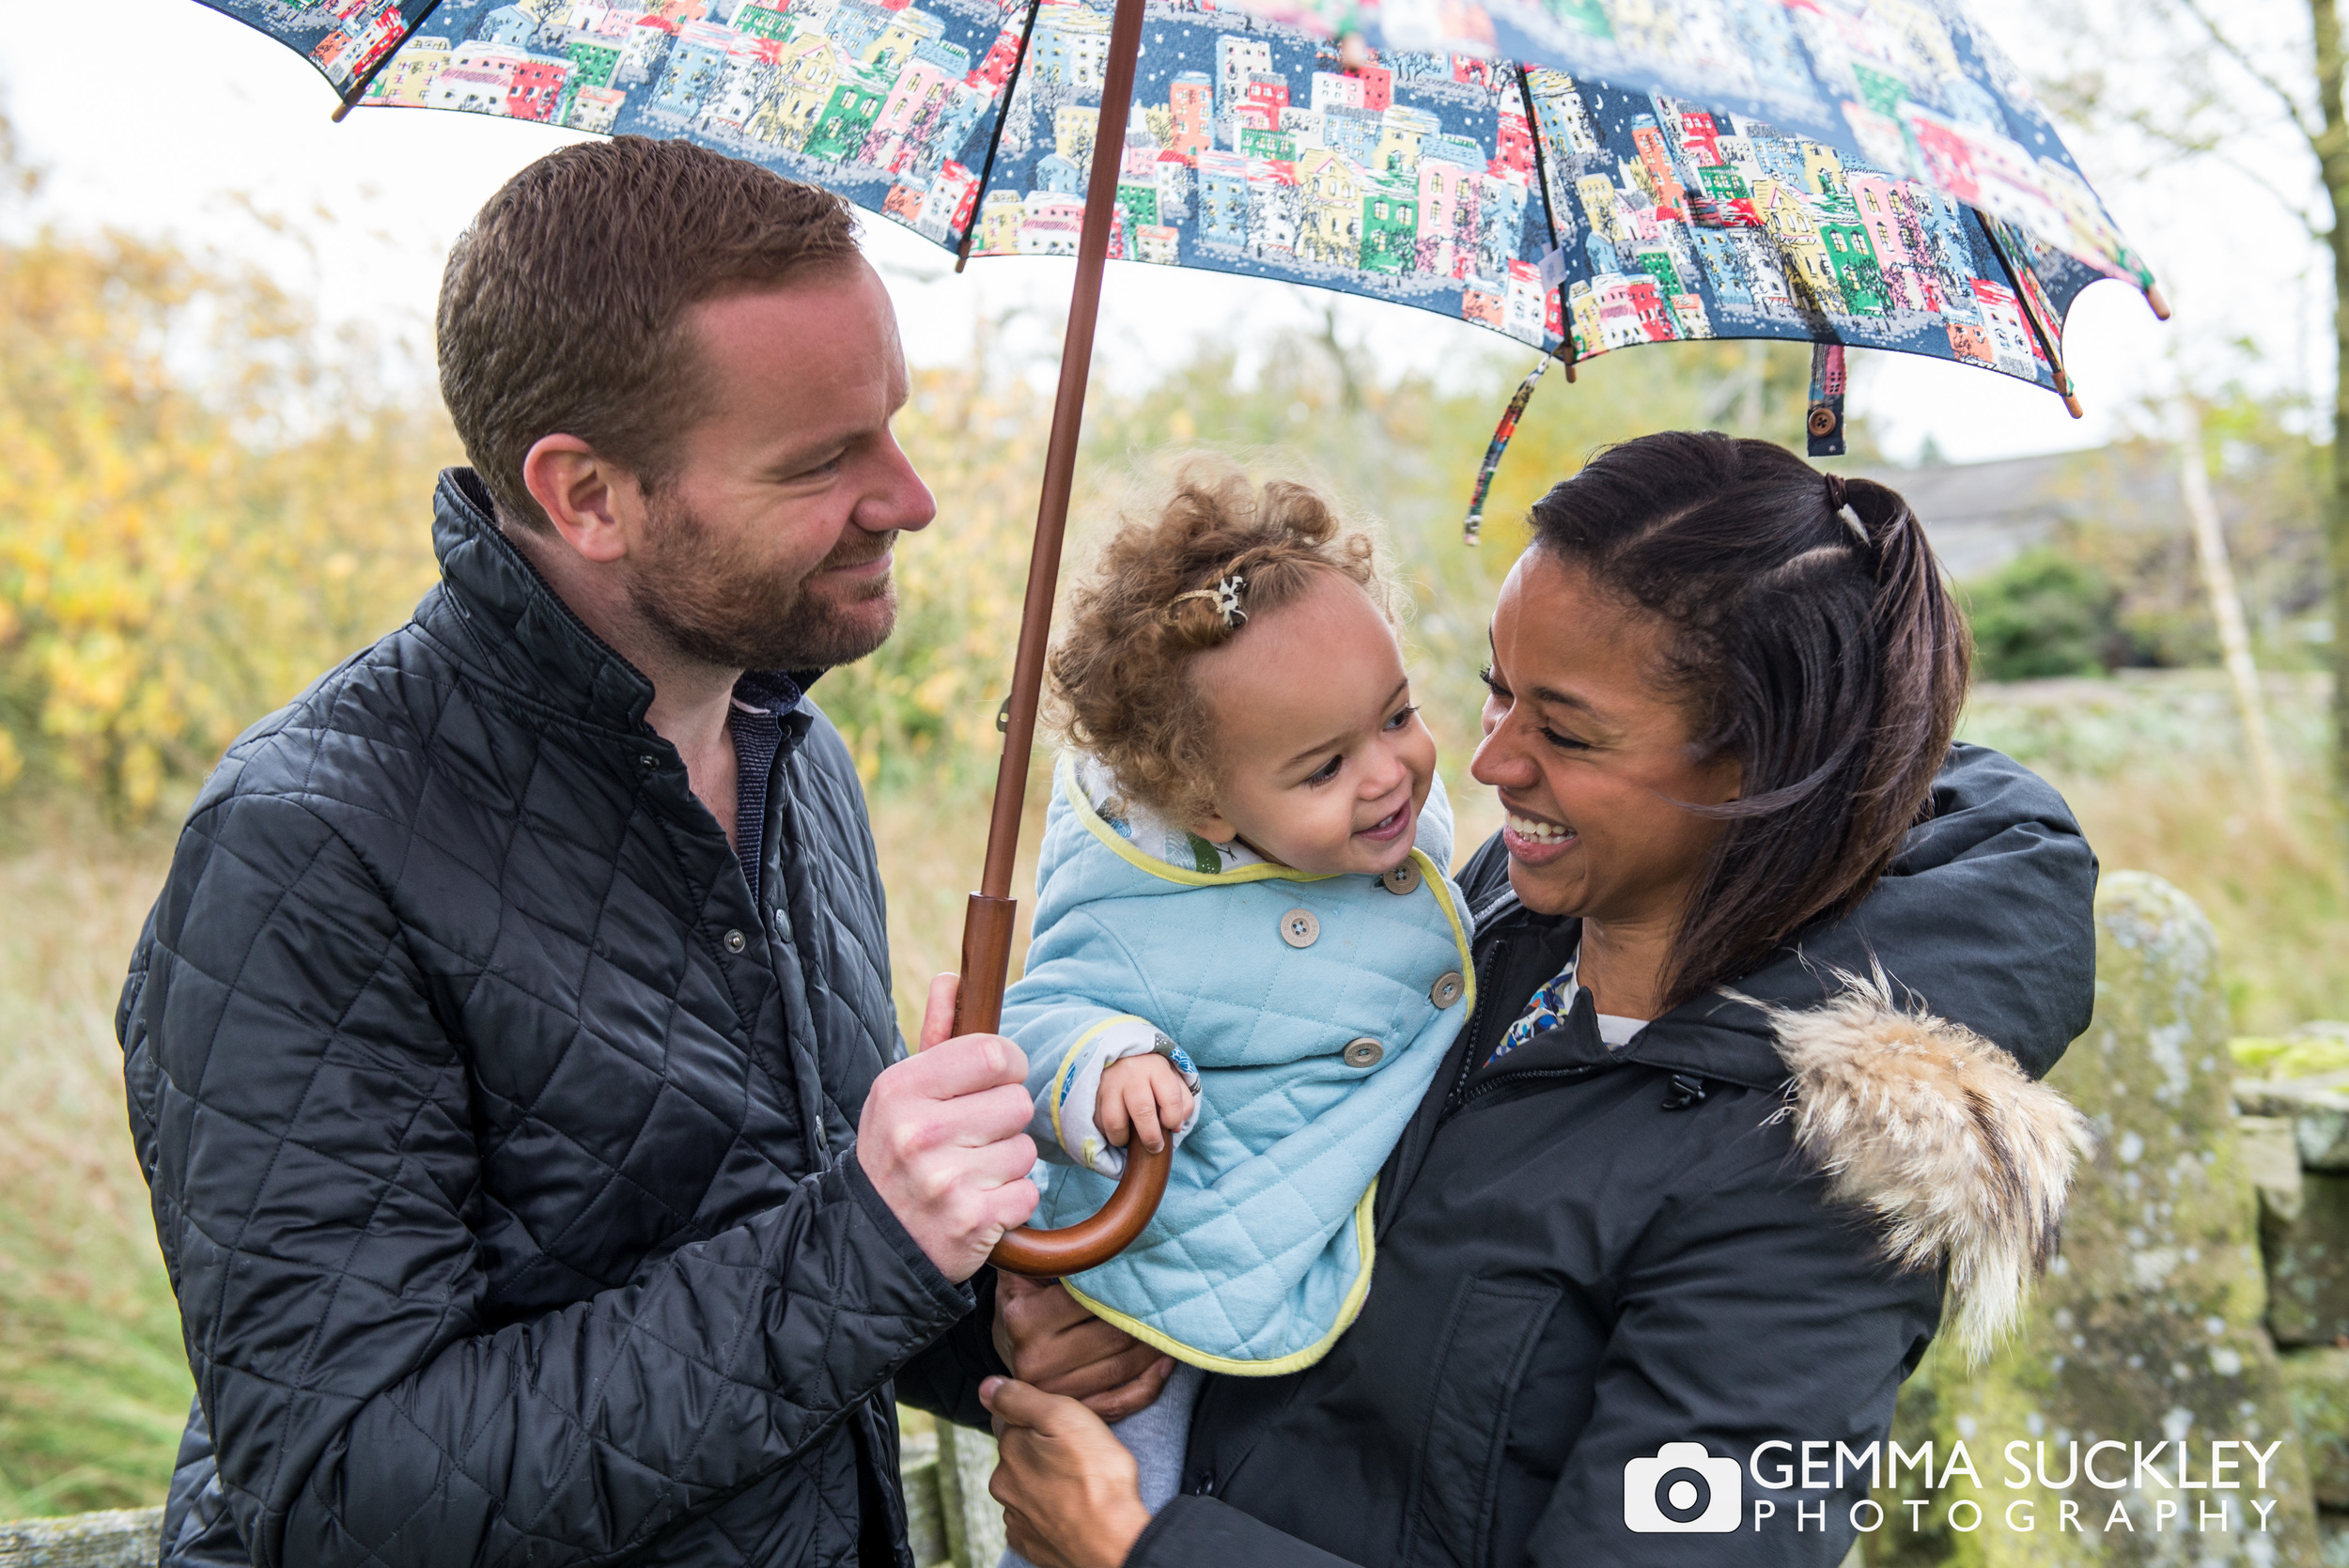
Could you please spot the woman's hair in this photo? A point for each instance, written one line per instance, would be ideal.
(1814, 645)
(1121, 685)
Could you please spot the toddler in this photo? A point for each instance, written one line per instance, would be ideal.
(1245, 937)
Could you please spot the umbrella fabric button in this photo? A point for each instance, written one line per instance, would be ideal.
(735, 942)
(1446, 991)
(1298, 928)
(1403, 878)
(1364, 1053)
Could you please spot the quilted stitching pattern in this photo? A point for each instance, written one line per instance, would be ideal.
(504, 1203)
(1252, 1253)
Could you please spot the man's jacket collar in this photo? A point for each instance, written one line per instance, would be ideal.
(514, 627)
(511, 626)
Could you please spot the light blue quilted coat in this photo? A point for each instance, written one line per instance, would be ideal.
(1260, 1255)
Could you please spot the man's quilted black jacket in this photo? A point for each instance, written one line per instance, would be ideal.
(497, 1141)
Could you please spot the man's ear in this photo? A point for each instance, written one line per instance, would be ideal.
(592, 504)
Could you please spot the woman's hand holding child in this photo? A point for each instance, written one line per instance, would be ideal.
(1051, 1343)
(1144, 1094)
(1068, 1489)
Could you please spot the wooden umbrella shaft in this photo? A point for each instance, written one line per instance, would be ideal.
(988, 923)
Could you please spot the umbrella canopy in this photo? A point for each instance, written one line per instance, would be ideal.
(1909, 88)
(1562, 211)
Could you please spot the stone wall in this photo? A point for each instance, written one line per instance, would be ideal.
(116, 1538)
(950, 1520)
(2295, 1129)
(2203, 1284)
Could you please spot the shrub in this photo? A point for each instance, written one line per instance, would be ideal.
(2044, 614)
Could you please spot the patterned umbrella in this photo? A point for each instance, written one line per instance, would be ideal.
(1579, 175)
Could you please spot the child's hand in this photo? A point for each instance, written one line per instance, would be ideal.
(1143, 1092)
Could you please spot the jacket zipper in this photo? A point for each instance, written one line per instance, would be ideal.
(1461, 1097)
(1476, 1019)
(1527, 1076)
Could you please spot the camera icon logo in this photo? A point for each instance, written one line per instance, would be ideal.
(1682, 1491)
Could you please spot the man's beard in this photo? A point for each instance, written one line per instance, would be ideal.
(716, 607)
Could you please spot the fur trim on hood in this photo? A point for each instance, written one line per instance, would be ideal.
(1939, 1134)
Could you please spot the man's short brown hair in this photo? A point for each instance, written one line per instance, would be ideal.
(563, 306)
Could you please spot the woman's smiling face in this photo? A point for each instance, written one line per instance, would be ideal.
(1589, 756)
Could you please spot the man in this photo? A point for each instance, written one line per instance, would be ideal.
(510, 1051)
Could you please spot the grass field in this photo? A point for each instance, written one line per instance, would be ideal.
(2154, 766)
(92, 1384)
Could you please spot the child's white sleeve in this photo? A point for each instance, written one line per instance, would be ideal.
(1068, 1096)
(1085, 1002)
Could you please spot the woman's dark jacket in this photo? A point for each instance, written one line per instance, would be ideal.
(498, 1137)
(1584, 1255)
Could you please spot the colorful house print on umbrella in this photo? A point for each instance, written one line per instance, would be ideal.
(1912, 87)
(1569, 214)
(1673, 222)
(1249, 150)
(1613, 218)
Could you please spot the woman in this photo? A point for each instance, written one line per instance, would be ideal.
(1700, 1163)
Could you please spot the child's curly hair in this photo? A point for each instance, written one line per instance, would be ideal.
(1120, 672)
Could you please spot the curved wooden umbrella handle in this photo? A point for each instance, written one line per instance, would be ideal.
(1091, 1243)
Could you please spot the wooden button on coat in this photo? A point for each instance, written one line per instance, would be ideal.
(1298, 928)
(1364, 1053)
(1445, 991)
(1403, 878)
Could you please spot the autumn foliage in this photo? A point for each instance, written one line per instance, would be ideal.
(204, 505)
(199, 510)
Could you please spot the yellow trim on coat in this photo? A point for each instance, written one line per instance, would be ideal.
(1431, 875)
(1434, 881)
(1349, 1309)
(1434, 878)
(1263, 871)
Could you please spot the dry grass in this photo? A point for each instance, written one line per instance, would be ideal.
(93, 1384)
(2154, 767)
(2276, 896)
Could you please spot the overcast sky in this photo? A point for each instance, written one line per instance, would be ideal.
(195, 119)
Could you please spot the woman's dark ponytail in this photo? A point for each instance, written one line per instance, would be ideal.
(1925, 648)
(1814, 643)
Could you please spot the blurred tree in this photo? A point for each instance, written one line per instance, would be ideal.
(195, 514)
(203, 505)
(2117, 510)
(2251, 88)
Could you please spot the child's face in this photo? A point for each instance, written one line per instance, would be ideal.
(1321, 761)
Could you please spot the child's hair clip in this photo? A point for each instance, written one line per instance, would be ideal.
(1226, 597)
